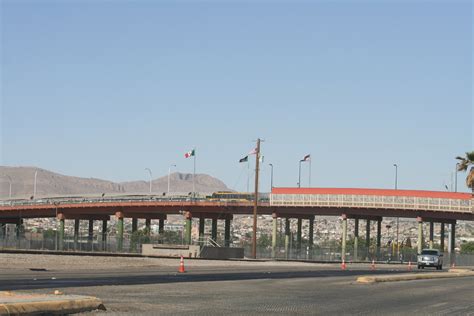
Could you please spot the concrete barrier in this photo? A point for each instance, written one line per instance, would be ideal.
(20, 303)
(413, 276)
(163, 250)
(222, 253)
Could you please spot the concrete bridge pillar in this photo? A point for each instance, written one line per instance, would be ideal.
(431, 235)
(148, 226)
(298, 236)
(61, 219)
(274, 234)
(19, 229)
(104, 235)
(420, 234)
(311, 236)
(3, 229)
(134, 224)
(344, 237)
(452, 243)
(202, 226)
(188, 226)
(90, 236)
(76, 233)
(119, 216)
(441, 237)
(379, 236)
(367, 237)
(287, 237)
(161, 226)
(227, 232)
(214, 229)
(356, 239)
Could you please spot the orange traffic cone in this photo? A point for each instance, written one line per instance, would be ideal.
(181, 265)
(409, 266)
(372, 267)
(343, 265)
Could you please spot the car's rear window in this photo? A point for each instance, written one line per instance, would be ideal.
(430, 252)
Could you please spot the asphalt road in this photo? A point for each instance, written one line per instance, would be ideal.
(305, 290)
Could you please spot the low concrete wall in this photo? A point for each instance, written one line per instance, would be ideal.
(170, 251)
(222, 253)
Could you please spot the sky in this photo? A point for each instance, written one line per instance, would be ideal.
(106, 89)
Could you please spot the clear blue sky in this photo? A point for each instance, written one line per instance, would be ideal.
(107, 88)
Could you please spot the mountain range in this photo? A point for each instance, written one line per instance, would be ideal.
(49, 184)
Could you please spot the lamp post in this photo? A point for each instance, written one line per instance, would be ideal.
(398, 218)
(299, 174)
(151, 176)
(169, 172)
(34, 185)
(271, 177)
(456, 178)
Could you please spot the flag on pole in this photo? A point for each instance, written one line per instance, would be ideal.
(245, 159)
(189, 154)
(306, 158)
(260, 159)
(253, 151)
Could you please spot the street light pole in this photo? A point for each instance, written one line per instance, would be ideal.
(255, 205)
(34, 185)
(151, 176)
(169, 172)
(271, 178)
(456, 178)
(299, 174)
(398, 218)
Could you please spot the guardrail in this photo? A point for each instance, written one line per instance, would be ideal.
(373, 201)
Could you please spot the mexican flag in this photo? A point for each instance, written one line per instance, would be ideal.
(189, 154)
(306, 158)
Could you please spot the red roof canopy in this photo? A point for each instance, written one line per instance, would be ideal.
(380, 192)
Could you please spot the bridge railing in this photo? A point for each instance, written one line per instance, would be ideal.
(373, 201)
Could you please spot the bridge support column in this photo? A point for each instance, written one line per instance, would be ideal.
(134, 224)
(104, 235)
(441, 237)
(344, 237)
(76, 233)
(119, 216)
(311, 237)
(90, 236)
(187, 235)
(148, 226)
(367, 238)
(3, 230)
(274, 234)
(61, 219)
(298, 236)
(214, 229)
(161, 226)
(356, 239)
(202, 226)
(287, 238)
(452, 242)
(420, 234)
(19, 229)
(431, 235)
(227, 232)
(379, 236)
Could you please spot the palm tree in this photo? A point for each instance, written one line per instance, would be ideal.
(463, 165)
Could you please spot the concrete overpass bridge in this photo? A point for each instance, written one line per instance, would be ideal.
(300, 203)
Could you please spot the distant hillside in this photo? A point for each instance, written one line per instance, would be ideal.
(54, 184)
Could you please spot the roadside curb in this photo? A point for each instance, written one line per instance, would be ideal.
(415, 276)
(22, 303)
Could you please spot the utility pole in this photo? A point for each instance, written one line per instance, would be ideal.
(398, 218)
(255, 204)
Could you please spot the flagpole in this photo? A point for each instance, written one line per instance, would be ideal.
(299, 174)
(248, 176)
(194, 173)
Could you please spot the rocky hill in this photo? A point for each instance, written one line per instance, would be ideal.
(49, 183)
